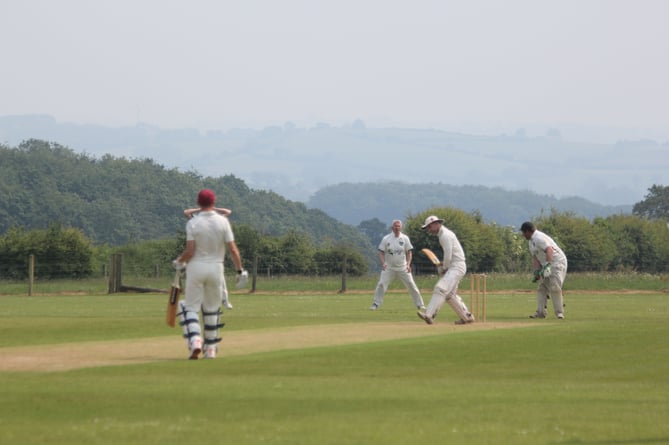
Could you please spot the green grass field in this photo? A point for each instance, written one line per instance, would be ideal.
(599, 377)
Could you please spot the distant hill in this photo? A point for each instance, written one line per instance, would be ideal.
(117, 201)
(297, 162)
(356, 202)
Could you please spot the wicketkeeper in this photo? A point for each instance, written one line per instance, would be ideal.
(550, 269)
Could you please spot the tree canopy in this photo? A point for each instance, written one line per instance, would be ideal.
(655, 204)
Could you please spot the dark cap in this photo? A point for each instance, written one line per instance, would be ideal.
(527, 227)
(206, 198)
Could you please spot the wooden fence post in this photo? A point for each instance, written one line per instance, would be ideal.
(343, 277)
(255, 274)
(115, 273)
(31, 274)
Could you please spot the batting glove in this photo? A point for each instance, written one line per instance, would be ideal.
(536, 275)
(178, 265)
(441, 269)
(242, 279)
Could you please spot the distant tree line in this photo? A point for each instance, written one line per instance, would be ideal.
(72, 212)
(66, 253)
(121, 202)
(392, 199)
(615, 243)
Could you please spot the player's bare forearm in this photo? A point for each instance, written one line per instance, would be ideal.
(188, 252)
(382, 259)
(235, 256)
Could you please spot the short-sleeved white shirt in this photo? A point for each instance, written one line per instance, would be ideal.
(539, 242)
(453, 251)
(395, 249)
(211, 232)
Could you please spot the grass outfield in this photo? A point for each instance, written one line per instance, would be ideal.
(598, 377)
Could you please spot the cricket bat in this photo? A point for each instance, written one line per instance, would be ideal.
(173, 300)
(431, 256)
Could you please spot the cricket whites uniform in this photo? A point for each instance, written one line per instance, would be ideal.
(445, 291)
(205, 282)
(395, 250)
(552, 285)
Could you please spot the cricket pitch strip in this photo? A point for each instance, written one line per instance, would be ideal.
(65, 357)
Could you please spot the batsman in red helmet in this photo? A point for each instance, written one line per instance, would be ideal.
(208, 234)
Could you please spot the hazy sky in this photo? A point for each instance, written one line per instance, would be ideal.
(217, 64)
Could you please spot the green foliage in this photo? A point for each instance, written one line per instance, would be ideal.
(655, 204)
(483, 248)
(374, 229)
(330, 261)
(117, 201)
(147, 257)
(53, 201)
(586, 247)
(355, 202)
(58, 252)
(642, 245)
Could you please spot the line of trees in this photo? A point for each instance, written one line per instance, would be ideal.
(67, 253)
(614, 243)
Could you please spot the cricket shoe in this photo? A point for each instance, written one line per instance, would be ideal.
(538, 315)
(195, 349)
(470, 319)
(374, 307)
(210, 352)
(426, 318)
(227, 304)
(560, 316)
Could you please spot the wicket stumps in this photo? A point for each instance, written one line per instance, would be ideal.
(477, 295)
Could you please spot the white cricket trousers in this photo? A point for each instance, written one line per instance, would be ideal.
(552, 286)
(204, 286)
(387, 277)
(446, 290)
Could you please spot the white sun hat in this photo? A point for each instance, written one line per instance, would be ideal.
(430, 219)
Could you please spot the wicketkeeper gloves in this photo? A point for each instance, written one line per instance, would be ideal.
(546, 270)
(536, 275)
(540, 274)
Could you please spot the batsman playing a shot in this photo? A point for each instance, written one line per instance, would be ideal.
(207, 236)
(550, 269)
(453, 268)
(395, 254)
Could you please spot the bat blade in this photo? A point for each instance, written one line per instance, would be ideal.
(431, 256)
(173, 300)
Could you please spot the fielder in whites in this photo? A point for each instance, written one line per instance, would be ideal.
(190, 213)
(550, 269)
(453, 268)
(208, 234)
(395, 254)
